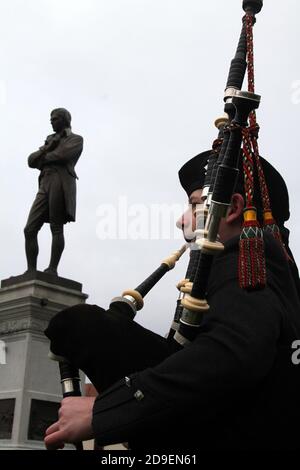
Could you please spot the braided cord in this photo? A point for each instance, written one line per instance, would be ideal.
(253, 126)
(269, 222)
(252, 266)
(248, 167)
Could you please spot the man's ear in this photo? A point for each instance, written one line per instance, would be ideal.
(236, 209)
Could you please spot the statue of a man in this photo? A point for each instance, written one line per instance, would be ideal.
(55, 202)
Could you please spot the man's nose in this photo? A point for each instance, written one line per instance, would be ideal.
(184, 220)
(179, 223)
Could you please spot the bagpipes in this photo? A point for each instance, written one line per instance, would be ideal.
(129, 303)
(221, 176)
(134, 298)
(219, 185)
(237, 126)
(218, 188)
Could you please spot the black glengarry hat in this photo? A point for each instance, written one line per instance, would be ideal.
(192, 176)
(192, 173)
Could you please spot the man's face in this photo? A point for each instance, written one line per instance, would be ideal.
(57, 122)
(229, 227)
(187, 222)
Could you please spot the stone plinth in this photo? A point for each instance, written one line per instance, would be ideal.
(30, 390)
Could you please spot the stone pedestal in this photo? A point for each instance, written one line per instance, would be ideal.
(30, 390)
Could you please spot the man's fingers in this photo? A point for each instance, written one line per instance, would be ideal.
(53, 428)
(55, 440)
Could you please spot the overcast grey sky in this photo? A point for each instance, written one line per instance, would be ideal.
(144, 81)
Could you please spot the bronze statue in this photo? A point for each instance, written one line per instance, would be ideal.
(55, 202)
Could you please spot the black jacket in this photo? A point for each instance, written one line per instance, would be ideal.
(234, 387)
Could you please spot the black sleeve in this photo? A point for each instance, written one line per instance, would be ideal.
(234, 350)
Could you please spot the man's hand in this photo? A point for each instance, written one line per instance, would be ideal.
(43, 148)
(74, 423)
(51, 144)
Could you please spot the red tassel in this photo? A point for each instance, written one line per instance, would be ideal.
(270, 226)
(274, 230)
(252, 265)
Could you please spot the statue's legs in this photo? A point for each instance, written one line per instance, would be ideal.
(37, 216)
(48, 206)
(32, 251)
(57, 218)
(58, 244)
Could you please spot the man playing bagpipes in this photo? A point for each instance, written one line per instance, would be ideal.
(224, 378)
(233, 387)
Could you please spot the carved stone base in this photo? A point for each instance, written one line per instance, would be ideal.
(30, 390)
